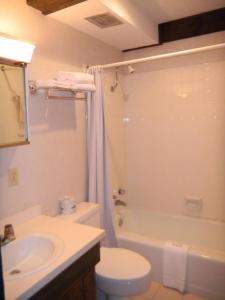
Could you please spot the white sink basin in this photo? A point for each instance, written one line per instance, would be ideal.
(30, 254)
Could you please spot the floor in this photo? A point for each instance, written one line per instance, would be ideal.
(158, 292)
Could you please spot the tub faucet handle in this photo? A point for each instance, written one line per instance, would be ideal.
(121, 191)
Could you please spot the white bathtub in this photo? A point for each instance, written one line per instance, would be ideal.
(146, 232)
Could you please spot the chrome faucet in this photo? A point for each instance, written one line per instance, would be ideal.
(8, 236)
(119, 202)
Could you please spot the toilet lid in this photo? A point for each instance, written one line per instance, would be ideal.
(119, 263)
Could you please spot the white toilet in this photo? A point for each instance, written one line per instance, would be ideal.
(121, 273)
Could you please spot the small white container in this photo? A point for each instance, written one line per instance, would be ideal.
(67, 205)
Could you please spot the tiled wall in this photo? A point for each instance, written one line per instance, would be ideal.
(175, 133)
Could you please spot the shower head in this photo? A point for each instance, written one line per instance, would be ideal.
(130, 69)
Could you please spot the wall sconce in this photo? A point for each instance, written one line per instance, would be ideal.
(15, 50)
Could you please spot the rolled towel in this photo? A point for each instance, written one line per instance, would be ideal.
(175, 265)
(85, 87)
(75, 77)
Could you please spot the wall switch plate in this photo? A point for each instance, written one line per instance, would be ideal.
(13, 177)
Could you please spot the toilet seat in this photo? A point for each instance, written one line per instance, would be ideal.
(122, 272)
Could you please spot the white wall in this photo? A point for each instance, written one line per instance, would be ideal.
(55, 161)
(176, 133)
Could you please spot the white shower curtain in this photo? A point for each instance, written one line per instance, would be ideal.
(98, 176)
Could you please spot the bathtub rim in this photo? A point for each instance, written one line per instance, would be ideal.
(206, 254)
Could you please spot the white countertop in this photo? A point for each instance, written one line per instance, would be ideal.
(78, 239)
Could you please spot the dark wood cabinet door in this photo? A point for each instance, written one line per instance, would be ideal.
(75, 292)
(77, 282)
(89, 285)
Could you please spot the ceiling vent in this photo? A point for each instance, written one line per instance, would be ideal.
(104, 20)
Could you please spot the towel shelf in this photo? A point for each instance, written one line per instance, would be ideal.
(64, 94)
(57, 93)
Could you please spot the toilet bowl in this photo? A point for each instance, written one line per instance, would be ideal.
(121, 273)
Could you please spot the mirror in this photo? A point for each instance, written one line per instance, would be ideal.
(13, 106)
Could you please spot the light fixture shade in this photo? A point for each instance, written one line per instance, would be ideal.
(16, 50)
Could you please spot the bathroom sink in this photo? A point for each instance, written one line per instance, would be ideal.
(30, 254)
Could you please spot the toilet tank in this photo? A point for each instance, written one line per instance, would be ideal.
(86, 213)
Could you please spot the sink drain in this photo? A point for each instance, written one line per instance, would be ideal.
(14, 272)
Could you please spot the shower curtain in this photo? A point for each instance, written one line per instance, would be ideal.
(98, 176)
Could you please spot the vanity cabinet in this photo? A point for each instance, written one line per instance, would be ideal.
(77, 282)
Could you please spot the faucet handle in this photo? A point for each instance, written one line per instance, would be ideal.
(9, 232)
(8, 236)
(1, 239)
(117, 193)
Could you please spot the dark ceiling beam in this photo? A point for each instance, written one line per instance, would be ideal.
(196, 25)
(204, 23)
(50, 6)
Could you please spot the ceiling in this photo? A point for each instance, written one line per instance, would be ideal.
(140, 18)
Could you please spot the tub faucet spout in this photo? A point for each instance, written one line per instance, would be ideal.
(119, 202)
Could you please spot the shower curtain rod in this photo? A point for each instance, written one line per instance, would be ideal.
(166, 55)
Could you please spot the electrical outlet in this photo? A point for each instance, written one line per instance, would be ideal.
(13, 177)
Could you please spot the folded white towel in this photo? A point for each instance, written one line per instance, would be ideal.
(174, 265)
(75, 77)
(85, 87)
(40, 84)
